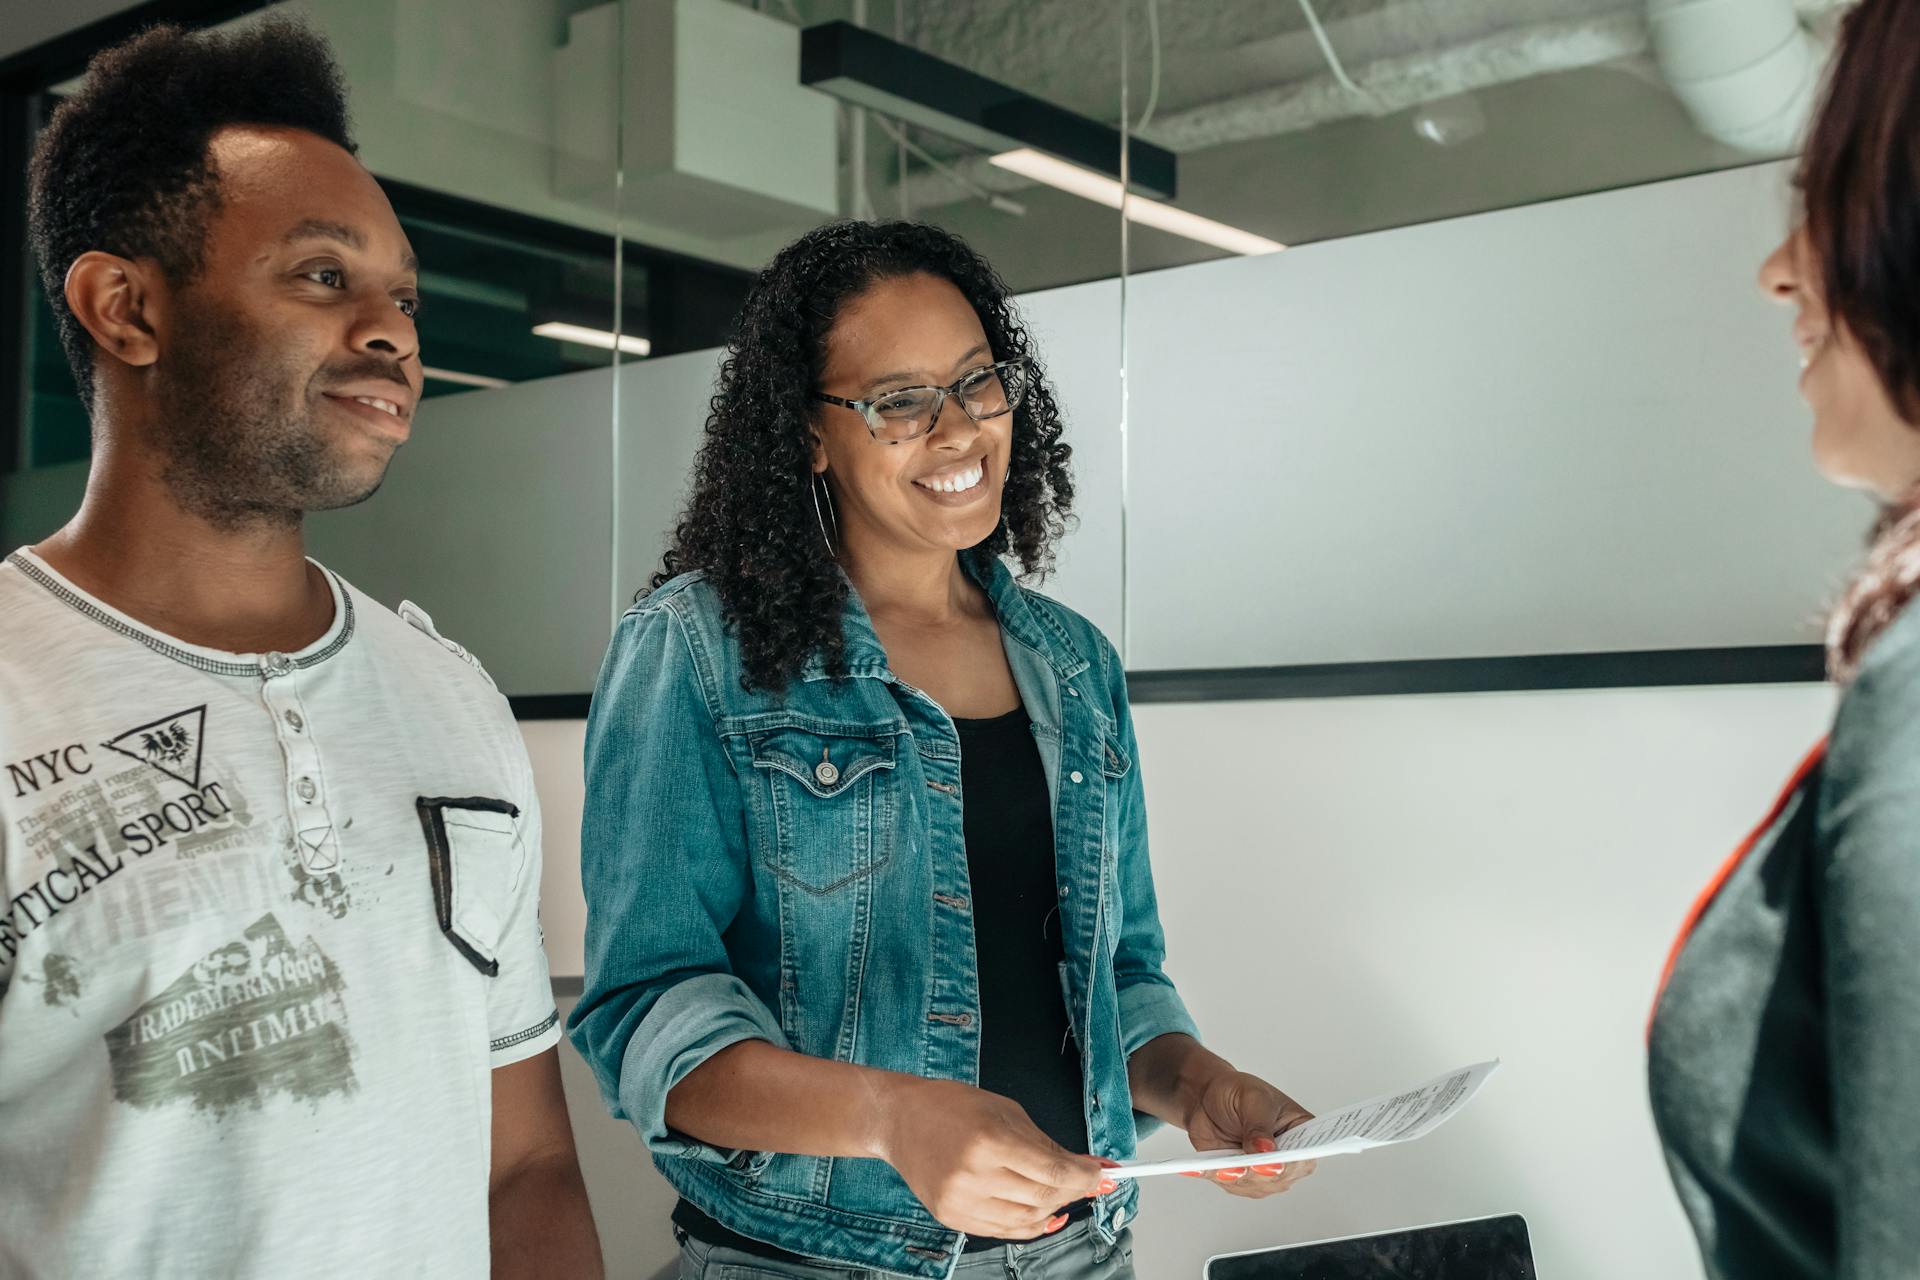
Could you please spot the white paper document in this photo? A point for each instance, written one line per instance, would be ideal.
(1377, 1122)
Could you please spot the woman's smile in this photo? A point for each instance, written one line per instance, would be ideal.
(955, 485)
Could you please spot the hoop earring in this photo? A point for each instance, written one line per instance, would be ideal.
(814, 486)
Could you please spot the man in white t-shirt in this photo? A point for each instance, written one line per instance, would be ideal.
(272, 994)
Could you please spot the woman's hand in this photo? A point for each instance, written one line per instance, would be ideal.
(1180, 1081)
(979, 1164)
(1234, 1109)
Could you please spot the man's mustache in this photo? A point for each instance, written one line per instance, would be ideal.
(364, 369)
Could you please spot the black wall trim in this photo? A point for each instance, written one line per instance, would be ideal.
(1625, 669)
(550, 706)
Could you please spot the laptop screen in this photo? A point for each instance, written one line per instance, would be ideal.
(1485, 1249)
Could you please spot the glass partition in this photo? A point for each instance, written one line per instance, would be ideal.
(744, 125)
(1508, 392)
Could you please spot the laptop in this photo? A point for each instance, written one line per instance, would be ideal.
(1480, 1249)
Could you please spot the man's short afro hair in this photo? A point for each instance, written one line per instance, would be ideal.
(123, 167)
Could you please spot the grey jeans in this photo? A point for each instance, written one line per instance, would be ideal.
(1077, 1253)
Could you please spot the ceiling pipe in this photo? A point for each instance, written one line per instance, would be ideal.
(1617, 36)
(1747, 71)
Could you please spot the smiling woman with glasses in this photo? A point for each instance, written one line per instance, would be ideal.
(874, 963)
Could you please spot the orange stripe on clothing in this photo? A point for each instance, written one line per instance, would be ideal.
(1725, 873)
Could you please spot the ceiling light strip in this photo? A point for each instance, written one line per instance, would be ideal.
(560, 331)
(1088, 185)
(464, 379)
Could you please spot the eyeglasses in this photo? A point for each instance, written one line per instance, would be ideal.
(910, 412)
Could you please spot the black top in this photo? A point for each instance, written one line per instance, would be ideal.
(1027, 1051)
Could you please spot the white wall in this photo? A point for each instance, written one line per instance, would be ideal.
(1362, 893)
(556, 747)
(1560, 428)
(496, 519)
(1440, 880)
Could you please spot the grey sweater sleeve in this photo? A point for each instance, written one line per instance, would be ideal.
(1869, 836)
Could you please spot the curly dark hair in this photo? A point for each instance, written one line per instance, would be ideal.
(123, 168)
(750, 522)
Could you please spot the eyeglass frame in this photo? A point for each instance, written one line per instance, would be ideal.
(865, 407)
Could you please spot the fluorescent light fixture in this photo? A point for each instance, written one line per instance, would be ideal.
(464, 379)
(911, 85)
(1100, 189)
(560, 331)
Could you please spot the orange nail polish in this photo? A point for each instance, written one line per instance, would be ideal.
(1108, 1187)
(1056, 1222)
(1232, 1175)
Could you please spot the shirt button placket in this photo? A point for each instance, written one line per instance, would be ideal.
(313, 829)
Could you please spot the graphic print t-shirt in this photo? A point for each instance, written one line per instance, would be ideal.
(267, 924)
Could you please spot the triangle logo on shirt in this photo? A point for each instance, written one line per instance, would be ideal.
(171, 744)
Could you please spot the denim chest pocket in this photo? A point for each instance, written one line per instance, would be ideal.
(1114, 760)
(831, 805)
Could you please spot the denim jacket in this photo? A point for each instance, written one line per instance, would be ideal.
(791, 867)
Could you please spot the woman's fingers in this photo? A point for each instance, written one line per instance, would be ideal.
(1259, 1185)
(1295, 1172)
(1256, 1179)
(1013, 1220)
(1066, 1176)
(981, 1166)
(1017, 1188)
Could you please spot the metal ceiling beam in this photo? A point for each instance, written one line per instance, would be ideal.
(898, 80)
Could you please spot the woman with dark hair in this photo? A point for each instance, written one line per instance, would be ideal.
(873, 958)
(1784, 1051)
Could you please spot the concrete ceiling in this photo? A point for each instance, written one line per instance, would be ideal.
(1547, 98)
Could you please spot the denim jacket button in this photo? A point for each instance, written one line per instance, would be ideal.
(827, 772)
(1078, 776)
(1063, 891)
(1072, 692)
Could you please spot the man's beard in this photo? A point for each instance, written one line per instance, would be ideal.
(237, 428)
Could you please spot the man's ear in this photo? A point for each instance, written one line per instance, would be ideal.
(119, 301)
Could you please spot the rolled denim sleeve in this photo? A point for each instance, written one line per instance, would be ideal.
(663, 860)
(1150, 1007)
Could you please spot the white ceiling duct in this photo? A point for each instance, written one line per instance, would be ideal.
(1746, 70)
